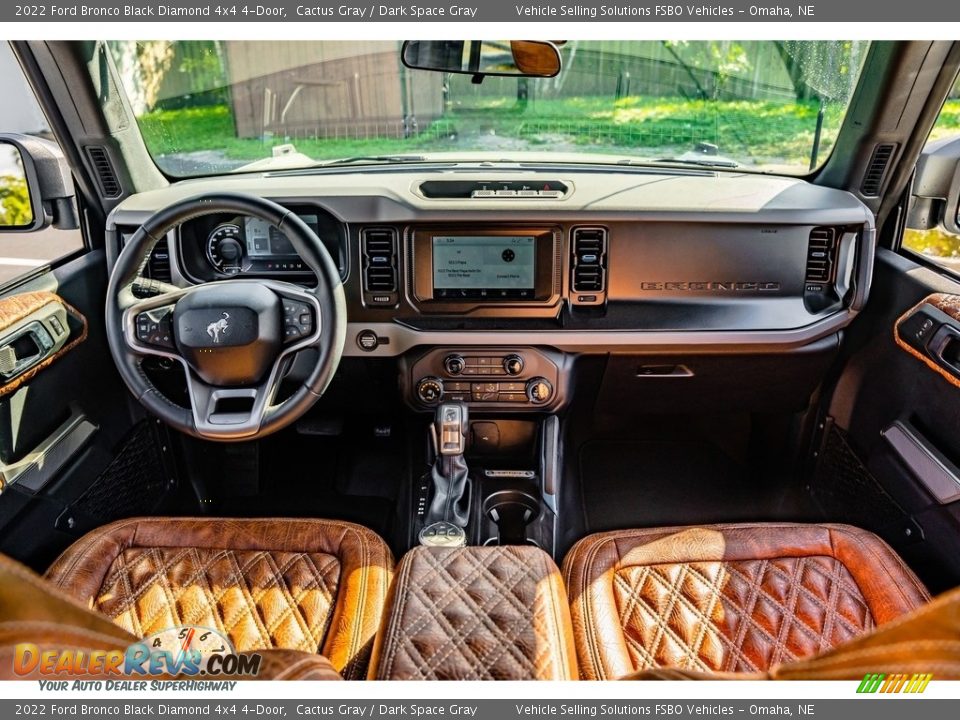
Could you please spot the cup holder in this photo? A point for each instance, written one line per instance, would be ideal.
(511, 511)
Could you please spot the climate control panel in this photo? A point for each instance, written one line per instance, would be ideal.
(480, 365)
(515, 379)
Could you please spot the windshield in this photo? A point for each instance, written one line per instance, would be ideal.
(208, 107)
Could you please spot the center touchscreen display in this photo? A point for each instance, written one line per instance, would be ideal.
(483, 266)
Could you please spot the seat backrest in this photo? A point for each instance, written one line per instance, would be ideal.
(33, 611)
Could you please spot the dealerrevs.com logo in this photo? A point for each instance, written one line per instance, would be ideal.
(894, 683)
(189, 651)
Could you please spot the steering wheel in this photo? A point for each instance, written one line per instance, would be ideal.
(234, 338)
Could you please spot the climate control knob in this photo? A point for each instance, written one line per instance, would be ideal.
(513, 364)
(539, 391)
(430, 390)
(454, 364)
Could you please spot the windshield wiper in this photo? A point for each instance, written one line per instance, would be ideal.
(705, 162)
(374, 159)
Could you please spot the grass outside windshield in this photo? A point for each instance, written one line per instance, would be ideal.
(207, 107)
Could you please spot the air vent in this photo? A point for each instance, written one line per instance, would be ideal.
(877, 170)
(821, 254)
(379, 247)
(103, 168)
(158, 266)
(589, 250)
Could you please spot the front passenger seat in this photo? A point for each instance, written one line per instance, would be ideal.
(315, 586)
(729, 598)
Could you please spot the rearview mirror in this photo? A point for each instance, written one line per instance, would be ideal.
(518, 58)
(36, 187)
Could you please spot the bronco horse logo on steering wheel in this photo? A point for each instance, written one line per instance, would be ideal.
(218, 327)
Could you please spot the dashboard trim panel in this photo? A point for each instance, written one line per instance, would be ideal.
(396, 339)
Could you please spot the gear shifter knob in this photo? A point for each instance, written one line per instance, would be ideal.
(450, 426)
(449, 510)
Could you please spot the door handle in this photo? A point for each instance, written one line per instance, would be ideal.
(33, 339)
(28, 346)
(36, 328)
(944, 346)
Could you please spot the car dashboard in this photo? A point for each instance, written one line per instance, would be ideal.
(485, 284)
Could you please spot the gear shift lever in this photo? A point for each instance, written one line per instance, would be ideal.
(449, 509)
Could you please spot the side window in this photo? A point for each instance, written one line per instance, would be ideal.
(940, 245)
(19, 112)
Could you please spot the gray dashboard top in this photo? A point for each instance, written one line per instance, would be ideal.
(381, 195)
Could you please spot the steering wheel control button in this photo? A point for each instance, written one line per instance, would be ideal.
(430, 390)
(155, 327)
(297, 320)
(367, 340)
(539, 391)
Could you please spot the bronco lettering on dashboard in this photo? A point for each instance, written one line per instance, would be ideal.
(713, 286)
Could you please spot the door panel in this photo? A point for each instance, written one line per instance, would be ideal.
(78, 451)
(894, 415)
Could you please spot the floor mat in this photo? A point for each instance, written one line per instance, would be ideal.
(657, 483)
(371, 512)
(352, 476)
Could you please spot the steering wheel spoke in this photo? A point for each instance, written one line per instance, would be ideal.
(230, 413)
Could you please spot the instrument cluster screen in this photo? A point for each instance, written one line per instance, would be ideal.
(264, 240)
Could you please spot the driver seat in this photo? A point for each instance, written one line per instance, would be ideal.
(316, 586)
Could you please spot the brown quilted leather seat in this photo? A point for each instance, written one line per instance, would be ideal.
(315, 586)
(33, 611)
(729, 598)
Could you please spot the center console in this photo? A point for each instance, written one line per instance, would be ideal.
(488, 481)
(476, 613)
(490, 478)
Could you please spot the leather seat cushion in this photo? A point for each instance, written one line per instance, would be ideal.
(729, 598)
(476, 613)
(315, 586)
(34, 612)
(923, 642)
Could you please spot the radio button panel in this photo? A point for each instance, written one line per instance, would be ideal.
(514, 379)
